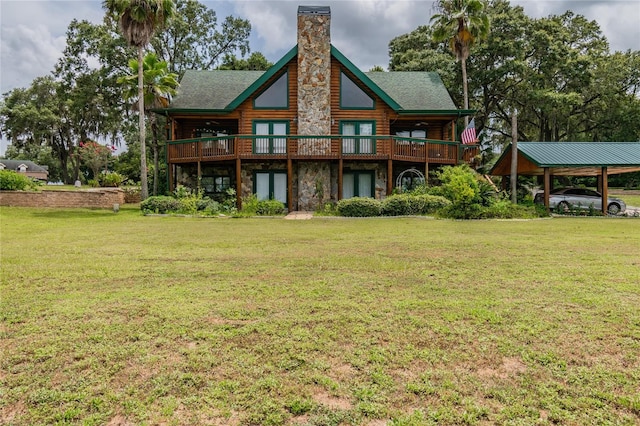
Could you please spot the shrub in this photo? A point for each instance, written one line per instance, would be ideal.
(160, 204)
(111, 179)
(207, 205)
(413, 204)
(270, 208)
(328, 208)
(14, 181)
(505, 209)
(359, 207)
(251, 206)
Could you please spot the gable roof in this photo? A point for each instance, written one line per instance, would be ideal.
(224, 90)
(415, 91)
(571, 158)
(31, 166)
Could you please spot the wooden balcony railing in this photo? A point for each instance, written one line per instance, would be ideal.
(318, 148)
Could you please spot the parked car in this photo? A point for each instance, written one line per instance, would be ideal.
(581, 198)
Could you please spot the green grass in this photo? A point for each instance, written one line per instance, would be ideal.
(124, 319)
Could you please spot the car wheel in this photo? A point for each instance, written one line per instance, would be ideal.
(613, 209)
(564, 207)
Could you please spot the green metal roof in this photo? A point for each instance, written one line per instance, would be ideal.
(581, 154)
(573, 158)
(224, 90)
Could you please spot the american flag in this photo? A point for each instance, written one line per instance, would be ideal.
(469, 134)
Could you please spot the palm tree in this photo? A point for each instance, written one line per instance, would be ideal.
(138, 20)
(159, 86)
(461, 22)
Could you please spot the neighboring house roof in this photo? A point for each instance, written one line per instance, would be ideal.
(31, 166)
(571, 158)
(224, 90)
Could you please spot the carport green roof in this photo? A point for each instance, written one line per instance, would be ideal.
(224, 90)
(571, 158)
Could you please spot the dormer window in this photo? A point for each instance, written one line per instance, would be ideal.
(275, 96)
(22, 168)
(2, 166)
(352, 96)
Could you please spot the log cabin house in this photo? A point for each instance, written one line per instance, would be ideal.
(311, 129)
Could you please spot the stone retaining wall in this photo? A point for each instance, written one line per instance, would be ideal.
(102, 198)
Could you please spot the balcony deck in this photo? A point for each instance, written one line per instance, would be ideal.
(314, 148)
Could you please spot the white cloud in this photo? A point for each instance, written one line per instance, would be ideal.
(28, 51)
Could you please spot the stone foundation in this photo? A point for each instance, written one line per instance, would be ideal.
(314, 185)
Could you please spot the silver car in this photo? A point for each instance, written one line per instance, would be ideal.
(565, 199)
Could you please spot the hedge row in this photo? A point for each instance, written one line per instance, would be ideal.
(394, 205)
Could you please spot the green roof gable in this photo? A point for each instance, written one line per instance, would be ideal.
(565, 156)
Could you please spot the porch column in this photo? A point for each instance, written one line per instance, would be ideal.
(290, 184)
(340, 165)
(605, 190)
(171, 176)
(238, 183)
(547, 186)
(199, 176)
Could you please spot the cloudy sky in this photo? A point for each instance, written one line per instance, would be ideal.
(32, 32)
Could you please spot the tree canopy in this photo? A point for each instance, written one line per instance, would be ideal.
(557, 72)
(82, 100)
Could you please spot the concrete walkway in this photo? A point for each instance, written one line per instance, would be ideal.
(299, 216)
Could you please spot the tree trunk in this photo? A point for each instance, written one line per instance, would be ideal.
(154, 130)
(514, 158)
(144, 188)
(465, 92)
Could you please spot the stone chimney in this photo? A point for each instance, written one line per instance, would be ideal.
(314, 104)
(314, 70)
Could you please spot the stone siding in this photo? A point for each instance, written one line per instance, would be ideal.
(92, 198)
(314, 105)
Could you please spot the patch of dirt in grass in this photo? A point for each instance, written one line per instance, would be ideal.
(510, 367)
(119, 420)
(332, 402)
(10, 412)
(299, 420)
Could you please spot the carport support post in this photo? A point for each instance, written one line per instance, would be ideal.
(605, 190)
(547, 186)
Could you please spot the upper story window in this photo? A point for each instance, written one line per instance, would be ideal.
(275, 96)
(352, 96)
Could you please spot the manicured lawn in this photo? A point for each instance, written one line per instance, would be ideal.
(121, 319)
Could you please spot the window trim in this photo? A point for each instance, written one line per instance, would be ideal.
(286, 75)
(271, 173)
(356, 182)
(342, 106)
(357, 136)
(271, 136)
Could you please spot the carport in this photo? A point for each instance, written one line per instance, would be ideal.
(550, 159)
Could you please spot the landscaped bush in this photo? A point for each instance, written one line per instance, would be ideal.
(359, 207)
(14, 181)
(270, 208)
(251, 206)
(413, 204)
(111, 179)
(505, 209)
(161, 204)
